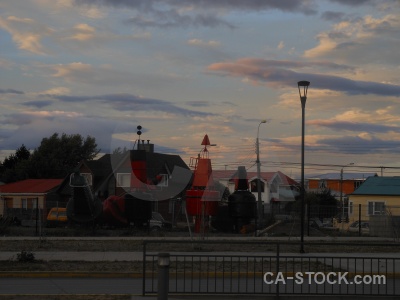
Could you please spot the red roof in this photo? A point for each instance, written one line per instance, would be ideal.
(34, 186)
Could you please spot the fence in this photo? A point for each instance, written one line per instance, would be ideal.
(373, 219)
(276, 272)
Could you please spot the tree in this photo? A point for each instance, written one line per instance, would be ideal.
(14, 167)
(57, 156)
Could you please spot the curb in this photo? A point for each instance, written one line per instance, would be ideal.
(137, 275)
(58, 274)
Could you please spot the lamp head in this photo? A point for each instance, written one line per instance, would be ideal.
(303, 88)
(264, 121)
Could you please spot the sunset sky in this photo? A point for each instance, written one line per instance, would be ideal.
(183, 69)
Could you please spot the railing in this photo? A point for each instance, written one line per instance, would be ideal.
(276, 272)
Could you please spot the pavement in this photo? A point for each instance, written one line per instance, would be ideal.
(138, 256)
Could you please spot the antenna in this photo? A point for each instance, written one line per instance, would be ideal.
(139, 133)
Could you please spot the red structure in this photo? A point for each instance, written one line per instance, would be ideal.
(202, 199)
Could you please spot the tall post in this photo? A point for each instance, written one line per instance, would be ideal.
(341, 196)
(259, 200)
(303, 87)
(163, 276)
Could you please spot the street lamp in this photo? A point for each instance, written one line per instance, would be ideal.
(341, 193)
(303, 88)
(259, 202)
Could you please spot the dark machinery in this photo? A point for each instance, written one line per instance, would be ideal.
(241, 203)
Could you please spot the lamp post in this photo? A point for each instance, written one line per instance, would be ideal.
(303, 88)
(341, 193)
(259, 202)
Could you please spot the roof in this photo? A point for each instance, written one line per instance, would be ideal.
(105, 167)
(266, 176)
(346, 176)
(384, 186)
(101, 166)
(30, 186)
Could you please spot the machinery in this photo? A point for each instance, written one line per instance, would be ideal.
(241, 203)
(202, 199)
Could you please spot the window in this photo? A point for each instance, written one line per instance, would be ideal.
(9, 202)
(322, 184)
(24, 203)
(88, 178)
(123, 179)
(350, 207)
(254, 186)
(357, 183)
(376, 208)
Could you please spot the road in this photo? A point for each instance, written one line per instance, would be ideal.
(53, 286)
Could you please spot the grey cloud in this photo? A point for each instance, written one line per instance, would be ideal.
(357, 145)
(198, 103)
(17, 119)
(277, 77)
(303, 6)
(10, 91)
(172, 19)
(353, 2)
(354, 126)
(168, 13)
(128, 102)
(38, 103)
(347, 144)
(334, 16)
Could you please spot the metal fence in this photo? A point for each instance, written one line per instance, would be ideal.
(279, 272)
(352, 220)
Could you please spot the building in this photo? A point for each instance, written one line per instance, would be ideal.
(167, 178)
(377, 201)
(340, 184)
(277, 189)
(20, 199)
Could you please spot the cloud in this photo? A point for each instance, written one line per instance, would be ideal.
(32, 127)
(38, 104)
(30, 35)
(10, 91)
(172, 19)
(129, 102)
(365, 40)
(201, 43)
(26, 33)
(194, 13)
(282, 74)
(88, 74)
(198, 103)
(354, 126)
(353, 2)
(357, 145)
(334, 16)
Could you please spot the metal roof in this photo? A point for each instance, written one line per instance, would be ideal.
(33, 186)
(346, 176)
(387, 186)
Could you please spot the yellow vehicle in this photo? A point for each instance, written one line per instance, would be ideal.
(57, 216)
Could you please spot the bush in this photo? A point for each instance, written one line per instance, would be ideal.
(25, 256)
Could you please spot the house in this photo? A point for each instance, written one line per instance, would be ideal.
(340, 184)
(377, 201)
(277, 189)
(167, 177)
(20, 199)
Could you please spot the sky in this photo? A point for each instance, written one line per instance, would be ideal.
(183, 69)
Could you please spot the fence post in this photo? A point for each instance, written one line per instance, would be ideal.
(277, 269)
(359, 219)
(163, 276)
(144, 269)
